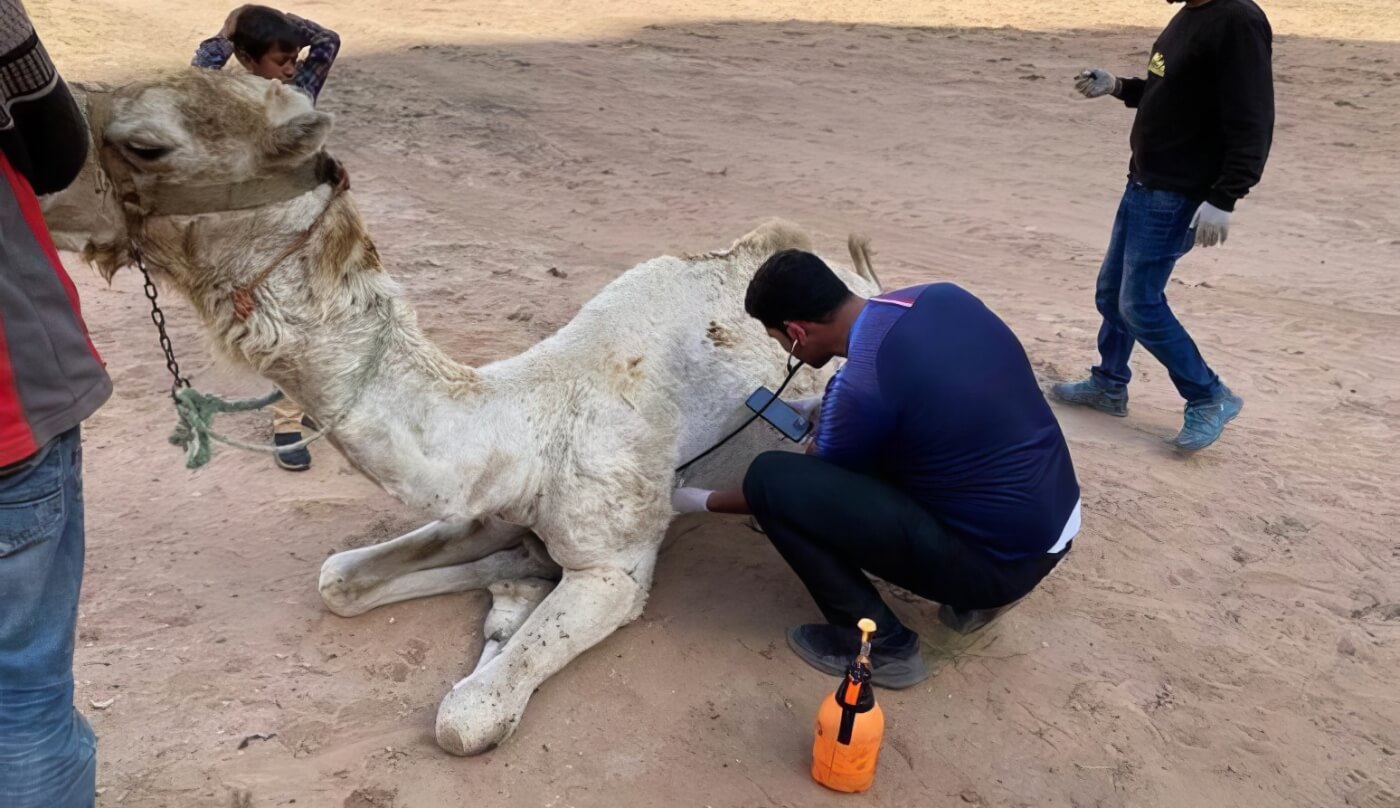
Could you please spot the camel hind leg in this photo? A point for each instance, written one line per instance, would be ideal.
(502, 565)
(440, 557)
(512, 603)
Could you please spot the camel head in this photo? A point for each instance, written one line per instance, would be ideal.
(169, 149)
(220, 180)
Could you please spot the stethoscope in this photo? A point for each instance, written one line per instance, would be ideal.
(791, 371)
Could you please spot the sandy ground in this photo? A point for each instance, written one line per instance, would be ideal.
(1224, 634)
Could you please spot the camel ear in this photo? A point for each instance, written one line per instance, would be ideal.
(298, 138)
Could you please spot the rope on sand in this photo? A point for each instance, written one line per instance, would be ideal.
(195, 432)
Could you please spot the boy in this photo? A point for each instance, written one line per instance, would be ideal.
(267, 42)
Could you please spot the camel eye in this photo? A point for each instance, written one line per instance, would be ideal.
(148, 153)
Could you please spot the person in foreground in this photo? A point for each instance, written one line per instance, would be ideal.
(937, 464)
(1204, 125)
(51, 380)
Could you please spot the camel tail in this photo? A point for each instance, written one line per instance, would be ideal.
(860, 258)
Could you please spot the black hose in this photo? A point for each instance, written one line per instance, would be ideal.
(792, 371)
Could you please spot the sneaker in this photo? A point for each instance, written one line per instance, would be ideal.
(831, 650)
(291, 459)
(1088, 393)
(1205, 422)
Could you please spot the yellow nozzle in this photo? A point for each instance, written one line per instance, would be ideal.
(867, 627)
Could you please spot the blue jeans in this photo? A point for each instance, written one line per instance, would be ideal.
(1152, 230)
(48, 753)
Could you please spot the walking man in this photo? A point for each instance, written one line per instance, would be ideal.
(1205, 121)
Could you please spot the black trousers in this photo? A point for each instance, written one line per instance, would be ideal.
(829, 524)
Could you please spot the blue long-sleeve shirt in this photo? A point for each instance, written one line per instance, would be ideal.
(938, 398)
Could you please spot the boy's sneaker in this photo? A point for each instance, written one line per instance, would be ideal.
(1205, 422)
(291, 459)
(1088, 393)
(831, 650)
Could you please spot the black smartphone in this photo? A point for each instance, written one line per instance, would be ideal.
(784, 418)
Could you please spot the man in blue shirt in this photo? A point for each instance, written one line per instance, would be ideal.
(937, 464)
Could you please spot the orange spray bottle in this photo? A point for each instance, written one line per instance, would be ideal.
(850, 726)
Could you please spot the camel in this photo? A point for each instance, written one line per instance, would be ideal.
(547, 474)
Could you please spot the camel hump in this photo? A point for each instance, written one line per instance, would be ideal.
(774, 235)
(860, 258)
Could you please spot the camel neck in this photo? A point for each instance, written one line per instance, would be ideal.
(419, 424)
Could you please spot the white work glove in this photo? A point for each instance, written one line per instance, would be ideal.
(1095, 82)
(806, 407)
(809, 408)
(1212, 225)
(691, 500)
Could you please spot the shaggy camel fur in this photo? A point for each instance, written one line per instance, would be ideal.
(549, 473)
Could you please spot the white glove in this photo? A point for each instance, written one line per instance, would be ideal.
(806, 407)
(691, 500)
(1094, 82)
(809, 408)
(1211, 224)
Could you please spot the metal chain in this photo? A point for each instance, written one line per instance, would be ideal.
(158, 317)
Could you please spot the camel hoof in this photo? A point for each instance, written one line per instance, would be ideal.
(338, 591)
(454, 742)
(470, 722)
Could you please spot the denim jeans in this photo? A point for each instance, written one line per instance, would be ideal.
(1152, 230)
(48, 753)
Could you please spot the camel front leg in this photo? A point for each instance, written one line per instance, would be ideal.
(587, 605)
(354, 581)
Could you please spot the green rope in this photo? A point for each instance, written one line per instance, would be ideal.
(195, 431)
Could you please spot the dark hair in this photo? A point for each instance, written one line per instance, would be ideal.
(260, 28)
(794, 285)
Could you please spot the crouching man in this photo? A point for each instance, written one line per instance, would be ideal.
(937, 464)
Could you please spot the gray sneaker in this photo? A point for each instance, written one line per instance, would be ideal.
(1088, 393)
(831, 650)
(1205, 422)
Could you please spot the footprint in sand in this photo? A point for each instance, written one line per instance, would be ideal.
(1360, 791)
(372, 798)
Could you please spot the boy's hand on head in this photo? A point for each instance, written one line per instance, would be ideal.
(231, 22)
(301, 24)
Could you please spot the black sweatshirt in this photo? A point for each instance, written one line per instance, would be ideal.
(1205, 117)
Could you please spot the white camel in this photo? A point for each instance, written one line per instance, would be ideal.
(549, 473)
